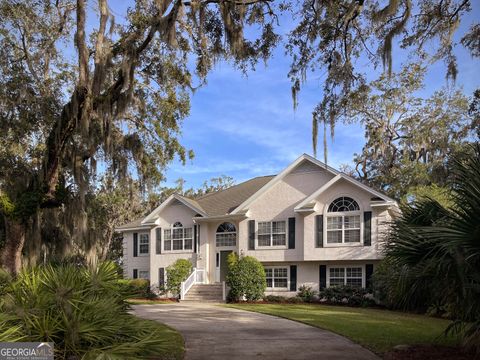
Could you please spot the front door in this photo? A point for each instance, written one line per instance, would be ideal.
(224, 264)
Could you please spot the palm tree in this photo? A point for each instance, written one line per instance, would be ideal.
(436, 250)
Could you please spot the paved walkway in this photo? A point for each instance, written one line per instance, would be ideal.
(213, 332)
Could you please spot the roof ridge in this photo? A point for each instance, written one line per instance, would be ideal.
(201, 197)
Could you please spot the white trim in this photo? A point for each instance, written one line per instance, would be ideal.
(171, 228)
(326, 214)
(152, 216)
(279, 177)
(271, 247)
(140, 254)
(273, 267)
(140, 228)
(345, 266)
(146, 278)
(312, 197)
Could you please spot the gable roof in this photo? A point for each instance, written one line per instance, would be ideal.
(236, 199)
(309, 202)
(281, 175)
(190, 203)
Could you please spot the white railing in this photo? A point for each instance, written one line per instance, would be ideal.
(196, 277)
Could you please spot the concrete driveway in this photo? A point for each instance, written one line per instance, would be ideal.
(214, 332)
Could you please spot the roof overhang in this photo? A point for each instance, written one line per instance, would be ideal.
(308, 205)
(152, 217)
(139, 228)
(197, 219)
(280, 176)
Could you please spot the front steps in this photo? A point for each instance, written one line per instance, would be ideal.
(205, 293)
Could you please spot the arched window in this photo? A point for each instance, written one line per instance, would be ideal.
(342, 204)
(226, 235)
(343, 221)
(178, 238)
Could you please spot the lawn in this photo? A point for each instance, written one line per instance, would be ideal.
(377, 330)
(173, 342)
(141, 301)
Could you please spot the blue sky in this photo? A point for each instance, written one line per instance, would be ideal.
(245, 126)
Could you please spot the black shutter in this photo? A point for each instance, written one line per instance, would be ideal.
(135, 273)
(196, 238)
(323, 277)
(368, 275)
(367, 228)
(293, 277)
(135, 244)
(158, 243)
(161, 276)
(251, 234)
(318, 230)
(291, 233)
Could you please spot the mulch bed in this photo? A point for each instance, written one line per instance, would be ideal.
(429, 352)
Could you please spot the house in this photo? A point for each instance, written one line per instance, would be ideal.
(310, 224)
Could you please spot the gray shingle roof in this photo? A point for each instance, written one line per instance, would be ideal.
(220, 202)
(225, 201)
(133, 224)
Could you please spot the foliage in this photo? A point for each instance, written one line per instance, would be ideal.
(306, 293)
(435, 251)
(408, 139)
(377, 330)
(82, 311)
(139, 288)
(333, 39)
(245, 278)
(176, 273)
(282, 299)
(346, 295)
(119, 101)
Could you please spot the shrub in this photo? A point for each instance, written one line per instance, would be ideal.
(246, 278)
(346, 295)
(176, 273)
(275, 299)
(134, 287)
(306, 293)
(81, 309)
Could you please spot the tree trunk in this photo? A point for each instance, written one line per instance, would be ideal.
(11, 255)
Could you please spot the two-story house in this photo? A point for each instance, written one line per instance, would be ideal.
(310, 224)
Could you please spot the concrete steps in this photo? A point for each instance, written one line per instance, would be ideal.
(205, 293)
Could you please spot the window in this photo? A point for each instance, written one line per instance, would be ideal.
(178, 238)
(343, 221)
(351, 276)
(277, 277)
(272, 233)
(226, 235)
(143, 244)
(143, 274)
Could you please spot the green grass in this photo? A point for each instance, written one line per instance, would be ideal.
(174, 344)
(377, 330)
(149, 302)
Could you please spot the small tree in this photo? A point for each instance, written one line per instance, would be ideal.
(246, 277)
(177, 273)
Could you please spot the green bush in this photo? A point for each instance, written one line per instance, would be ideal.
(306, 293)
(176, 273)
(137, 288)
(246, 278)
(82, 310)
(346, 295)
(283, 299)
